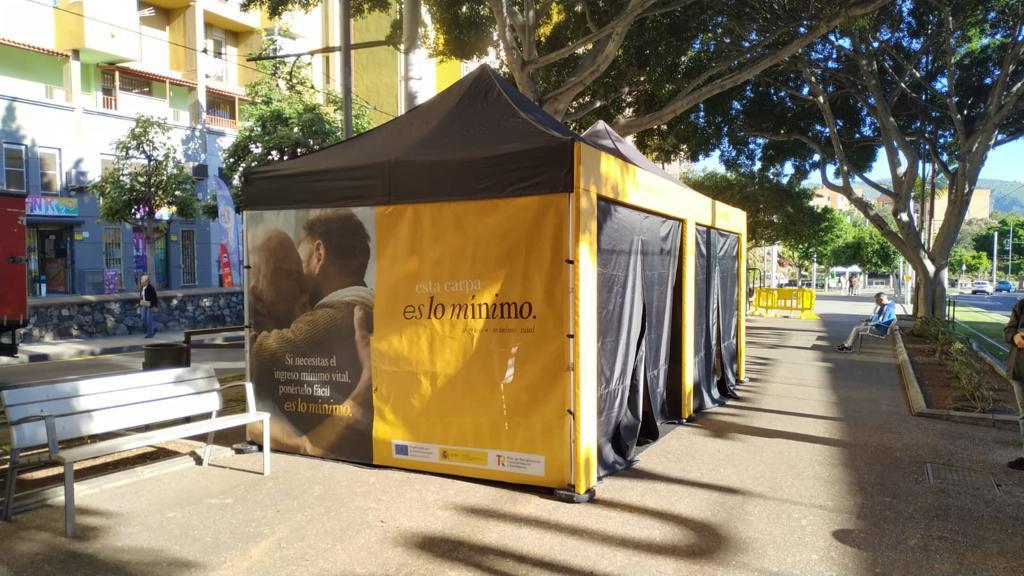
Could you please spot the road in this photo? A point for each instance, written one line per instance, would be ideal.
(1000, 302)
(224, 362)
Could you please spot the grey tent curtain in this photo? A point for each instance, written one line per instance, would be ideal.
(716, 309)
(638, 271)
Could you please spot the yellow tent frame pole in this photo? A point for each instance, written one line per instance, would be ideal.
(689, 263)
(741, 328)
(585, 340)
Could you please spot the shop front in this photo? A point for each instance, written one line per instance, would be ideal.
(49, 235)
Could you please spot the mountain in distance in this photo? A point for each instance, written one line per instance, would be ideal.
(1007, 195)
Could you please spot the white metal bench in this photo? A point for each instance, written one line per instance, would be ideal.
(48, 414)
(888, 334)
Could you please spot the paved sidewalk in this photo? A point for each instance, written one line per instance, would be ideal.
(819, 469)
(84, 347)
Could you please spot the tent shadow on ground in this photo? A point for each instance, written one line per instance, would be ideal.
(721, 425)
(696, 538)
(489, 559)
(738, 405)
(650, 476)
(38, 537)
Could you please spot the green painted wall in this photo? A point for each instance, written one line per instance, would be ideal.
(179, 97)
(31, 66)
(376, 69)
(90, 79)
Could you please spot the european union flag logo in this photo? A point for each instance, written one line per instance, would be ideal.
(401, 450)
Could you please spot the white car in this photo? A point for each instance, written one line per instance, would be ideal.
(982, 287)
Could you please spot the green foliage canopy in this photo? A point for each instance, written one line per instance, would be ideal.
(776, 211)
(286, 116)
(147, 176)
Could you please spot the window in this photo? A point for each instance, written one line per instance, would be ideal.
(134, 85)
(14, 167)
(49, 171)
(216, 48)
(220, 107)
(112, 253)
(188, 257)
(109, 94)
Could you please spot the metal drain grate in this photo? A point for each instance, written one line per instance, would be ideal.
(942, 475)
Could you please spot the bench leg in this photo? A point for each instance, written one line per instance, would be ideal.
(69, 499)
(266, 447)
(12, 476)
(209, 446)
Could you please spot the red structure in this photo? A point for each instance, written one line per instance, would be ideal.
(13, 270)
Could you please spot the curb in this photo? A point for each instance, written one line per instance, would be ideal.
(91, 351)
(915, 398)
(38, 498)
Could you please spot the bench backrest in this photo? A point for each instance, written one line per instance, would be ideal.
(109, 403)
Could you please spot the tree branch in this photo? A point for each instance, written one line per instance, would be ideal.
(625, 18)
(694, 94)
(597, 60)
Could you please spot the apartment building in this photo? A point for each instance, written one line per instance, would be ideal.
(73, 77)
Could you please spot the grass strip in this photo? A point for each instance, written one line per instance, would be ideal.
(989, 324)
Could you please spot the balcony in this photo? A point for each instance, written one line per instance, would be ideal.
(228, 15)
(229, 123)
(101, 30)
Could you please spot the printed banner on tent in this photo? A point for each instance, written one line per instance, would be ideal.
(467, 305)
(469, 350)
(311, 305)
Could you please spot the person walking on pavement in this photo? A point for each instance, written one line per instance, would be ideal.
(878, 324)
(147, 303)
(1013, 333)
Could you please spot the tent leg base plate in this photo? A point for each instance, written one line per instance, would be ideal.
(743, 380)
(574, 498)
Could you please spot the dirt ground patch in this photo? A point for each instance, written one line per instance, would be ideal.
(940, 386)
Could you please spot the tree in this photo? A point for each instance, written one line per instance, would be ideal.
(776, 211)
(286, 116)
(923, 83)
(639, 63)
(1010, 228)
(867, 249)
(970, 262)
(147, 177)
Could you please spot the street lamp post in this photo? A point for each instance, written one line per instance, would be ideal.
(995, 254)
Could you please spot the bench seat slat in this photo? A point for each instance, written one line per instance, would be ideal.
(122, 443)
(112, 399)
(32, 434)
(28, 394)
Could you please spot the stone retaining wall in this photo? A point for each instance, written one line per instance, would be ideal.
(59, 318)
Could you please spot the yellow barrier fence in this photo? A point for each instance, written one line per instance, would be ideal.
(797, 302)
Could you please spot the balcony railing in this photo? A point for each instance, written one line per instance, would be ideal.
(230, 123)
(109, 102)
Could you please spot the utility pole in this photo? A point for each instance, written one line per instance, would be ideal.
(410, 44)
(1009, 253)
(995, 254)
(814, 274)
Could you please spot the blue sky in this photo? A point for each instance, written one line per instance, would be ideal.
(1003, 163)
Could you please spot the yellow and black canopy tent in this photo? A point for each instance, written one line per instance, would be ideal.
(541, 303)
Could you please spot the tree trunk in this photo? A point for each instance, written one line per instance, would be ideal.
(150, 230)
(930, 293)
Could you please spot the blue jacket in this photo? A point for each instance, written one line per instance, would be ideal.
(883, 317)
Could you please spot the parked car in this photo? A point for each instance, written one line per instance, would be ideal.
(982, 287)
(1005, 286)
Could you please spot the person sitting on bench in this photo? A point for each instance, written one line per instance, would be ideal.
(877, 325)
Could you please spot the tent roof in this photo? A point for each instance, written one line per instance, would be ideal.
(602, 137)
(480, 138)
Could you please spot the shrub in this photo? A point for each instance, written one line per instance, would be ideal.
(972, 378)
